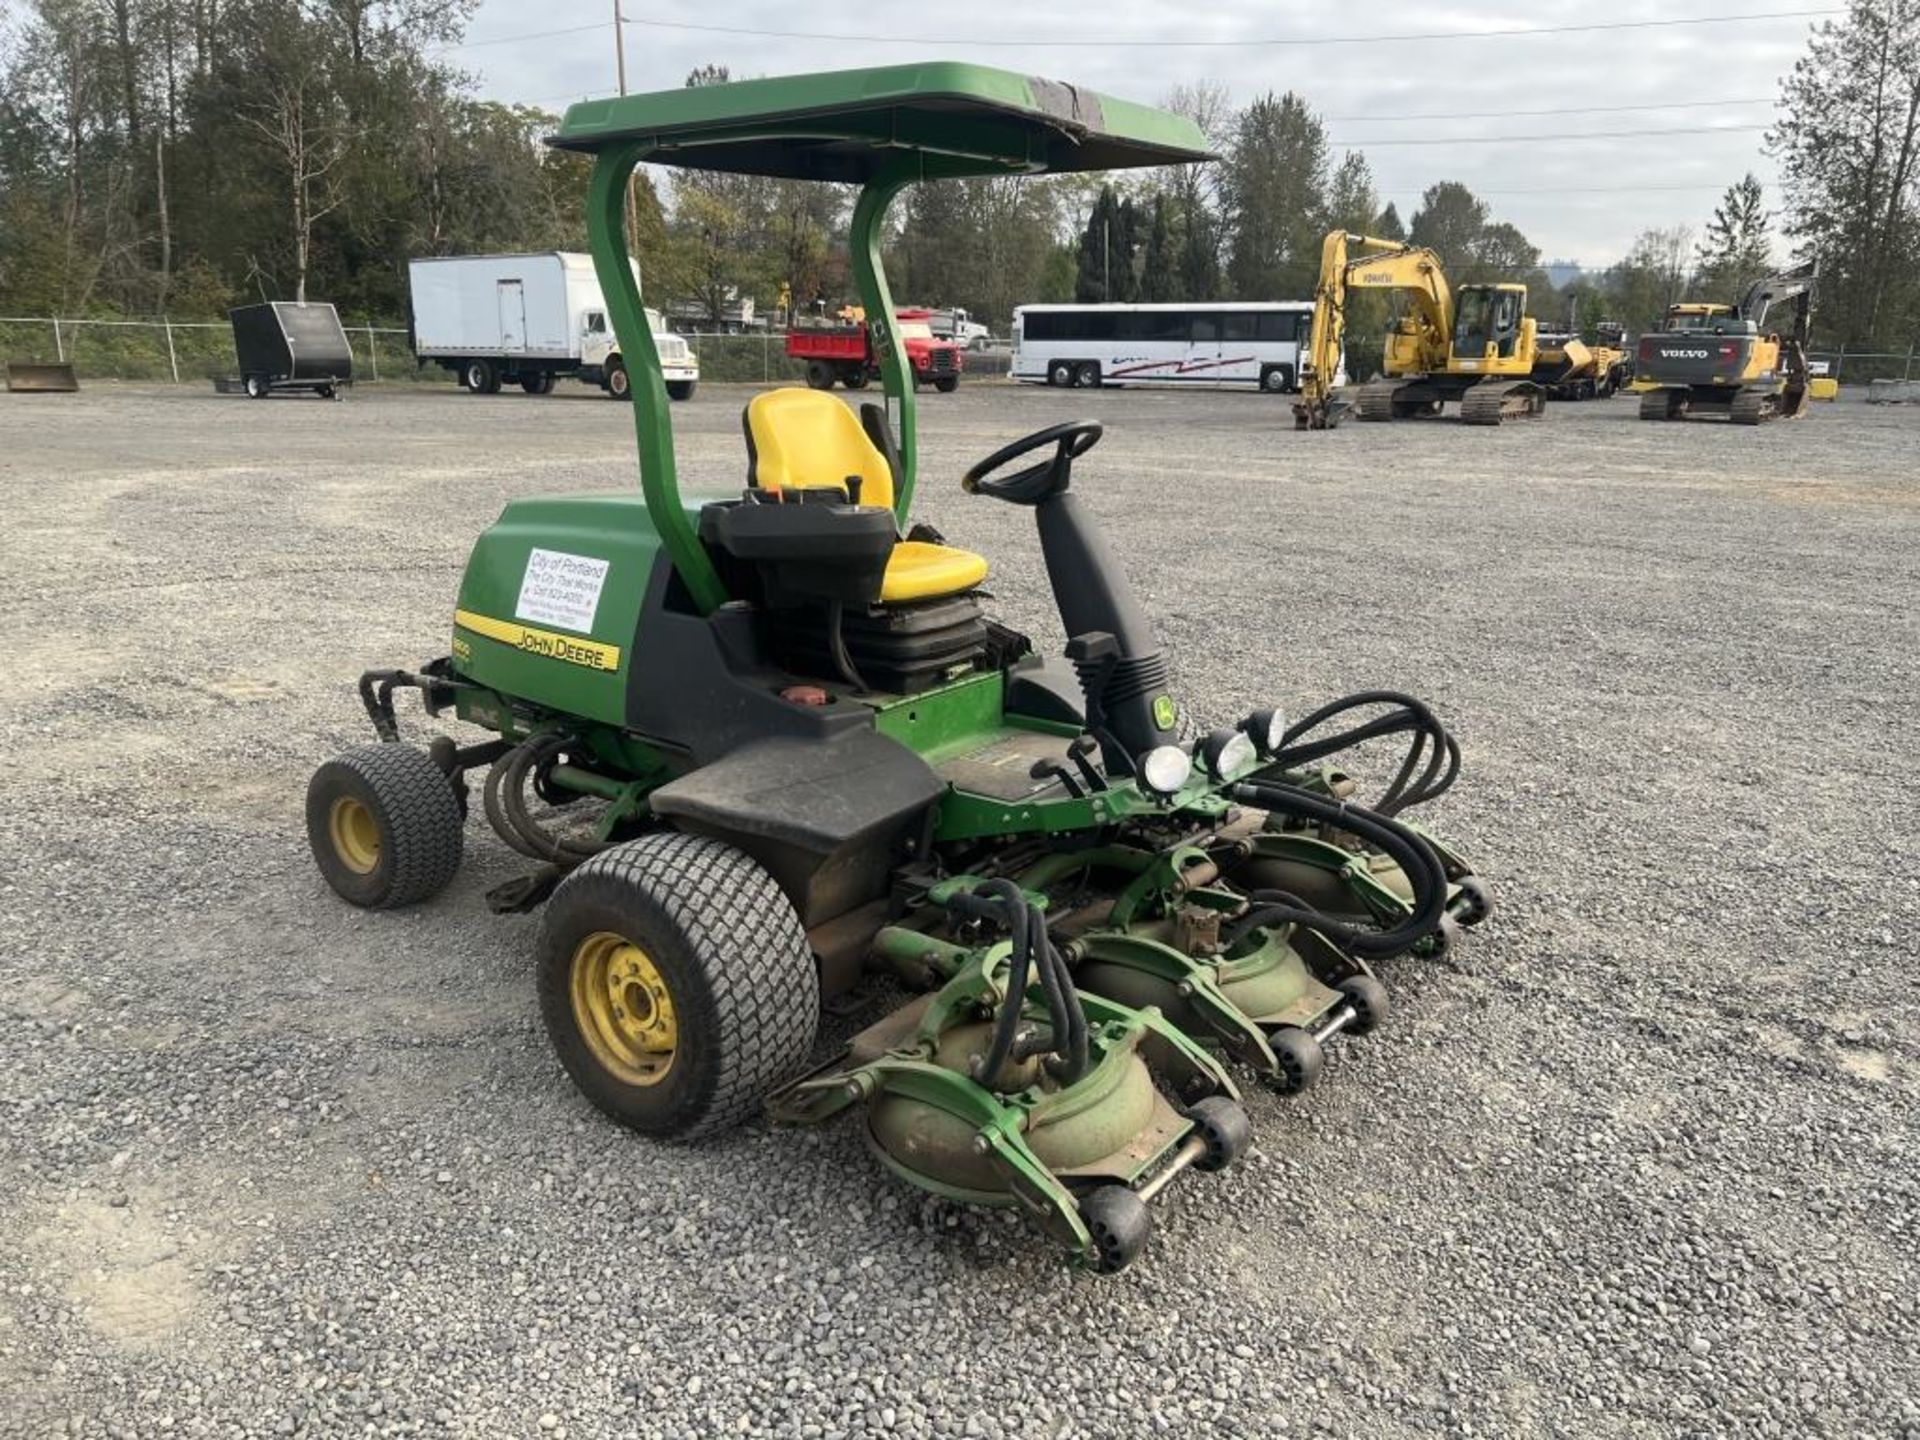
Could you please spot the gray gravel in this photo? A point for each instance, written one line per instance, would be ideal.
(1642, 1162)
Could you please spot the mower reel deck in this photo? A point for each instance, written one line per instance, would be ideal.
(760, 752)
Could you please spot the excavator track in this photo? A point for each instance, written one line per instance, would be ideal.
(1493, 401)
(1374, 400)
(1658, 405)
(1752, 407)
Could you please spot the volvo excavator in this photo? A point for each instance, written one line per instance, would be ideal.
(1721, 360)
(1476, 346)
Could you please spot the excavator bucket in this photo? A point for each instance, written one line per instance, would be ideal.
(42, 379)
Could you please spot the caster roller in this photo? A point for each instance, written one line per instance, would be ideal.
(1368, 997)
(1228, 1132)
(1119, 1223)
(1441, 942)
(1300, 1058)
(1474, 903)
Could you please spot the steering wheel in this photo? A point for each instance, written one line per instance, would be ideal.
(1030, 486)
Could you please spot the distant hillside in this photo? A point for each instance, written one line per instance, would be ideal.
(1563, 271)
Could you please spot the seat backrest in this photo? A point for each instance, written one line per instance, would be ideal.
(801, 439)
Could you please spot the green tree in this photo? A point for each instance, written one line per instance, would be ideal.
(1389, 225)
(1735, 250)
(1160, 263)
(1848, 141)
(1652, 276)
(1274, 195)
(1450, 221)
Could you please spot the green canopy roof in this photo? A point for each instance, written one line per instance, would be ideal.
(845, 124)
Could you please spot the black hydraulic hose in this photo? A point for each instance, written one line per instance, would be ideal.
(1033, 951)
(506, 805)
(1270, 906)
(1442, 763)
(1063, 1004)
(1412, 853)
(1011, 911)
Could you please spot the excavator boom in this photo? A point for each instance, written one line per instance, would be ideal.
(1364, 262)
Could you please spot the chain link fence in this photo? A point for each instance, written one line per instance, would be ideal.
(183, 351)
(174, 350)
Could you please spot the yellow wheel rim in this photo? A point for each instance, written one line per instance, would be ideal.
(356, 834)
(623, 1009)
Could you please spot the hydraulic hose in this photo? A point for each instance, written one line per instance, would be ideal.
(1033, 952)
(1442, 763)
(506, 805)
(1412, 853)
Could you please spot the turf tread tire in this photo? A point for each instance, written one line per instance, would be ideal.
(753, 979)
(421, 826)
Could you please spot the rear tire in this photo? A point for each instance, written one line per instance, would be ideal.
(1060, 374)
(384, 825)
(1276, 379)
(819, 375)
(257, 388)
(1086, 375)
(855, 379)
(676, 984)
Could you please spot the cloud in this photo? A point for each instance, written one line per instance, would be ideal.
(1578, 198)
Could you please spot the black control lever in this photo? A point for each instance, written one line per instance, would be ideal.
(1054, 770)
(1081, 753)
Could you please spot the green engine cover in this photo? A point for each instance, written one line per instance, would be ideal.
(551, 600)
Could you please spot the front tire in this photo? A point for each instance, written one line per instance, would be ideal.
(257, 387)
(676, 984)
(947, 384)
(385, 826)
(680, 389)
(619, 387)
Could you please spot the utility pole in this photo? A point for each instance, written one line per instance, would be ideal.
(620, 67)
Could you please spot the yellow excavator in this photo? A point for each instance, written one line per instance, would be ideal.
(1716, 359)
(1476, 345)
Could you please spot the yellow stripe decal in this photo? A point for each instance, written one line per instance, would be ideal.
(570, 648)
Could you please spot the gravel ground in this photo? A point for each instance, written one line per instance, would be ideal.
(1642, 1161)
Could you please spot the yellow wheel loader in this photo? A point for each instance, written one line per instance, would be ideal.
(1476, 345)
(1716, 359)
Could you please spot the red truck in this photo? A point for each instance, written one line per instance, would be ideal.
(845, 353)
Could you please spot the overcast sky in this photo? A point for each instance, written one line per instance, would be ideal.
(1577, 198)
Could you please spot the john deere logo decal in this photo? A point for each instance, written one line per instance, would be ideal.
(1163, 711)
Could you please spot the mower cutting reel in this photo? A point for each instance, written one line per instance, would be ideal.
(760, 752)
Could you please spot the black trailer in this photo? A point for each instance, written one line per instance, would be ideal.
(290, 345)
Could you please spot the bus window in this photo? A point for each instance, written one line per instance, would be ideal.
(1276, 326)
(1240, 327)
(1206, 330)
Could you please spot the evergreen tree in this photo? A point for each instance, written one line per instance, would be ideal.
(1848, 140)
(1389, 225)
(1159, 265)
(1274, 192)
(1735, 251)
(1449, 222)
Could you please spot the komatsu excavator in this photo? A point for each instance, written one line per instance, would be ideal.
(1476, 346)
(1721, 360)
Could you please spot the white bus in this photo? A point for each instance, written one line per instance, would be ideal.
(1214, 343)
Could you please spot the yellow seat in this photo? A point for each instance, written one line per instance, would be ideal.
(806, 440)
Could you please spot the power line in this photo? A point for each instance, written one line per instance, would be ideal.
(1566, 110)
(1559, 189)
(1529, 139)
(516, 39)
(1089, 42)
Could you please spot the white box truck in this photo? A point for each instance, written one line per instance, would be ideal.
(527, 320)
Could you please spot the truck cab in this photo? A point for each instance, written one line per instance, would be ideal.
(601, 363)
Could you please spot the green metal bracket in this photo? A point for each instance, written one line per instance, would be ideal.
(870, 278)
(652, 421)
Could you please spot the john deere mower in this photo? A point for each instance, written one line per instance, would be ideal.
(758, 751)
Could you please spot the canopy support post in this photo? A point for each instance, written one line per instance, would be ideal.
(870, 279)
